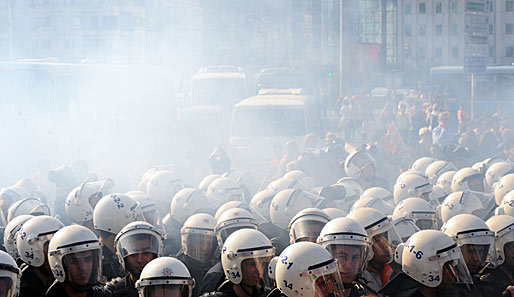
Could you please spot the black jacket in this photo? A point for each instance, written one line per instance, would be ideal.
(197, 270)
(122, 287)
(31, 285)
(111, 267)
(57, 290)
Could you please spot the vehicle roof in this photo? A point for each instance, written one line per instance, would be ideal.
(276, 100)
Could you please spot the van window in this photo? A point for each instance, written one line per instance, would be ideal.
(276, 121)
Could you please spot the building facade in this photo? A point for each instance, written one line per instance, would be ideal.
(432, 33)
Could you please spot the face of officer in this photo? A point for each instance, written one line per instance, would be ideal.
(142, 255)
(349, 260)
(475, 256)
(164, 291)
(253, 271)
(5, 284)
(381, 248)
(79, 267)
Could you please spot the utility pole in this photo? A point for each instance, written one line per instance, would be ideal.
(341, 49)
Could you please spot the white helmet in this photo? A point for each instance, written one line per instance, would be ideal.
(437, 168)
(232, 220)
(334, 213)
(497, 171)
(224, 189)
(507, 205)
(380, 229)
(419, 211)
(353, 191)
(145, 178)
(410, 172)
(243, 178)
(422, 163)
(11, 232)
(340, 233)
(33, 236)
(287, 203)
(411, 186)
(473, 236)
(459, 203)
(206, 181)
(302, 177)
(78, 207)
(69, 248)
(445, 180)
(260, 205)
(198, 239)
(9, 270)
(437, 195)
(228, 205)
(129, 241)
(405, 227)
(503, 228)
(27, 206)
(378, 192)
(426, 253)
(357, 161)
(162, 273)
(163, 185)
(187, 202)
(306, 225)
(284, 183)
(115, 211)
(503, 186)
(483, 166)
(304, 268)
(148, 207)
(462, 178)
(374, 202)
(242, 245)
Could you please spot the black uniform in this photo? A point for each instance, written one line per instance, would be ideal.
(212, 279)
(359, 288)
(171, 241)
(57, 290)
(122, 287)
(31, 285)
(496, 280)
(196, 268)
(111, 267)
(227, 290)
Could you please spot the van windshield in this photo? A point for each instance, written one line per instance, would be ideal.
(268, 122)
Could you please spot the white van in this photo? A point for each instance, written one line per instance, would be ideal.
(272, 117)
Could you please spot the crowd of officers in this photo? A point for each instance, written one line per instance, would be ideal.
(439, 231)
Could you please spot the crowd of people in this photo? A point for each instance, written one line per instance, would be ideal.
(424, 208)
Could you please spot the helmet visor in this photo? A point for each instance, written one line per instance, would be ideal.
(325, 280)
(151, 216)
(255, 271)
(235, 194)
(383, 246)
(171, 290)
(479, 252)
(351, 259)
(306, 230)
(138, 243)
(6, 286)
(200, 247)
(83, 268)
(224, 233)
(456, 272)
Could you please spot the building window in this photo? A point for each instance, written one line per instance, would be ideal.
(422, 30)
(408, 8)
(455, 29)
(408, 30)
(455, 52)
(422, 52)
(509, 51)
(422, 8)
(509, 5)
(455, 7)
(438, 52)
(438, 30)
(438, 7)
(509, 29)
